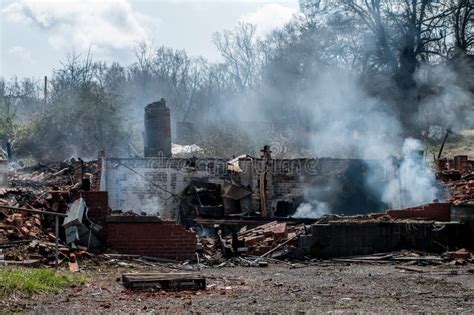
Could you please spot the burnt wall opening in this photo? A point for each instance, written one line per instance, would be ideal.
(287, 208)
(358, 195)
(356, 190)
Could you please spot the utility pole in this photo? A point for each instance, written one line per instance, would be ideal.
(45, 91)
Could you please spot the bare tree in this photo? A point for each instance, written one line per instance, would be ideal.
(463, 24)
(239, 48)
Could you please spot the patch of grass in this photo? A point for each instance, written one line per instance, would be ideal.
(32, 281)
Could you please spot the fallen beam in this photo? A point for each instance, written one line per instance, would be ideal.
(165, 281)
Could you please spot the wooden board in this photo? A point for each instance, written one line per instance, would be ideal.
(165, 281)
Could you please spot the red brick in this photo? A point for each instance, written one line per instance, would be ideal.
(461, 253)
(279, 231)
(24, 230)
(433, 211)
(161, 239)
(253, 240)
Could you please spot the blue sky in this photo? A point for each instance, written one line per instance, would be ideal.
(35, 36)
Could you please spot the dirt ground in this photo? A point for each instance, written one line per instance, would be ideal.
(278, 288)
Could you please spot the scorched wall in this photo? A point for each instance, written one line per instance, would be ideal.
(139, 184)
(145, 184)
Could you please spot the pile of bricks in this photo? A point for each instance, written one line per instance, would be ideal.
(264, 238)
(23, 238)
(22, 225)
(27, 236)
(461, 191)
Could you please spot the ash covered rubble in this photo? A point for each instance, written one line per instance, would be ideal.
(30, 201)
(458, 175)
(221, 212)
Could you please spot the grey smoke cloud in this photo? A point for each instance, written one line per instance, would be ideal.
(346, 122)
(415, 182)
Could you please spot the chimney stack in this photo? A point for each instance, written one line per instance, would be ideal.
(157, 136)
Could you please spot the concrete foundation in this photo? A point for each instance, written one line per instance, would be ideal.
(339, 239)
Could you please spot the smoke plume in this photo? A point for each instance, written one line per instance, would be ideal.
(414, 183)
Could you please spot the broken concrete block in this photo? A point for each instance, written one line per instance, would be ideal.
(268, 232)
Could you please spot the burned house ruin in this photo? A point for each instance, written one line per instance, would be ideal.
(246, 185)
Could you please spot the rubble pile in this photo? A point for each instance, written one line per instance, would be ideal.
(272, 240)
(461, 191)
(271, 236)
(212, 253)
(408, 259)
(29, 237)
(17, 226)
(57, 175)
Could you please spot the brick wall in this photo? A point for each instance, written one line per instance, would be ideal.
(287, 180)
(142, 236)
(431, 211)
(92, 167)
(137, 190)
(98, 204)
(290, 180)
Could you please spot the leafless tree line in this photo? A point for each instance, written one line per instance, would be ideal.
(93, 106)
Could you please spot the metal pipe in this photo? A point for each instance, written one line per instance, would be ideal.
(56, 254)
(444, 141)
(34, 211)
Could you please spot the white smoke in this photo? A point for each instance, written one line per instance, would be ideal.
(312, 210)
(346, 121)
(414, 183)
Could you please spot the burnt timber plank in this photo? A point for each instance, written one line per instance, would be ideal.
(166, 281)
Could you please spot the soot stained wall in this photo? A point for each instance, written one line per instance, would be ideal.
(132, 183)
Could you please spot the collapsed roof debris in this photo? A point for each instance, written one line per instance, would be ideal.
(29, 205)
(72, 189)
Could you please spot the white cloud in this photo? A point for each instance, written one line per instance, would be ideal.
(22, 54)
(270, 17)
(102, 25)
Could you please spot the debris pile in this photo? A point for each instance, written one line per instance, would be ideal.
(408, 259)
(461, 191)
(28, 207)
(18, 226)
(212, 253)
(268, 238)
(55, 176)
(273, 240)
